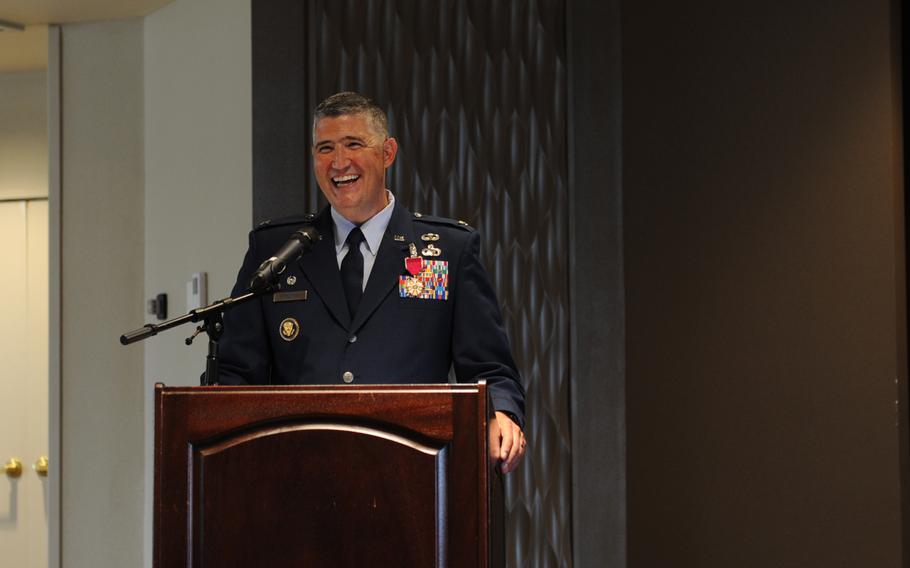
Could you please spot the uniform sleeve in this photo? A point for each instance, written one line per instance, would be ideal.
(480, 346)
(243, 349)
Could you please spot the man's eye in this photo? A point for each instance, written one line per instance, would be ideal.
(324, 149)
(355, 145)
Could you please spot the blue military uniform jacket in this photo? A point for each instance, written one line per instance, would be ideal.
(305, 335)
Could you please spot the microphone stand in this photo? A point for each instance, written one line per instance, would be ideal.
(213, 325)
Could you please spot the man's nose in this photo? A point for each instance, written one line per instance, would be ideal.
(340, 158)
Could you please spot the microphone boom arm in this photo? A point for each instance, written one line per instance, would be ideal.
(265, 281)
(213, 325)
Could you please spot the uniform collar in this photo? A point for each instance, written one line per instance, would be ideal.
(320, 266)
(373, 228)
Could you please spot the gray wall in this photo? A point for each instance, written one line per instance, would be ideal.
(764, 275)
(101, 271)
(155, 185)
(198, 171)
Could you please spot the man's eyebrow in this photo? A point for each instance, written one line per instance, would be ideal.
(343, 139)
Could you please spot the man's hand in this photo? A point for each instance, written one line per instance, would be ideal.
(507, 442)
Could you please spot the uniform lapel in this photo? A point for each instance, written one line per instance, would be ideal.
(388, 267)
(321, 269)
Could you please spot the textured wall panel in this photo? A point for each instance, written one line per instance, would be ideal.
(476, 95)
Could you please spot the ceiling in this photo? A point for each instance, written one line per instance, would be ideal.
(69, 11)
(26, 50)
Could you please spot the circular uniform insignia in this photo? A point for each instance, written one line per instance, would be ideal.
(288, 329)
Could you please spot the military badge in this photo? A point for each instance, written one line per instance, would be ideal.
(411, 287)
(430, 283)
(431, 250)
(288, 329)
(413, 265)
(429, 237)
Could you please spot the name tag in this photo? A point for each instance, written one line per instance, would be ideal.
(289, 296)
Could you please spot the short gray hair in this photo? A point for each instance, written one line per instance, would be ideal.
(347, 103)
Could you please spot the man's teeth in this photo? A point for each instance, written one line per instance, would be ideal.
(341, 180)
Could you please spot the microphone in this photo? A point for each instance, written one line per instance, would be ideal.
(299, 243)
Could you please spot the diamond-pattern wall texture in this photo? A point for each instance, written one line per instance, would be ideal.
(476, 96)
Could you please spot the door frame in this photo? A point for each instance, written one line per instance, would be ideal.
(54, 202)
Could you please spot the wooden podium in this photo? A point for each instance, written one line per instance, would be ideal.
(325, 476)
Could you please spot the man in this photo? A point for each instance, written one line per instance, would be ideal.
(385, 296)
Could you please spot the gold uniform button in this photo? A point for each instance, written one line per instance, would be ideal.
(348, 377)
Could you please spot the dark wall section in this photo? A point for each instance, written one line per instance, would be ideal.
(901, 26)
(281, 147)
(596, 269)
(764, 278)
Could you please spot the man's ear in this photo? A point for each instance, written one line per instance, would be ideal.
(389, 151)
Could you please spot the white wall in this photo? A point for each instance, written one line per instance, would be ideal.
(101, 423)
(198, 164)
(23, 134)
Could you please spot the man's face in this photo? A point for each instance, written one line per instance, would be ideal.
(350, 158)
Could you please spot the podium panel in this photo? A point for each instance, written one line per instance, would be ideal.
(388, 475)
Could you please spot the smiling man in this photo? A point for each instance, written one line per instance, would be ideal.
(386, 296)
(351, 153)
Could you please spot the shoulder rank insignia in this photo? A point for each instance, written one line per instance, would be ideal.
(282, 221)
(445, 221)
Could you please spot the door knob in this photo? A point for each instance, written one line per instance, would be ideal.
(13, 468)
(41, 466)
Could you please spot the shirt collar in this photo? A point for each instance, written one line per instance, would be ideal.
(372, 229)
